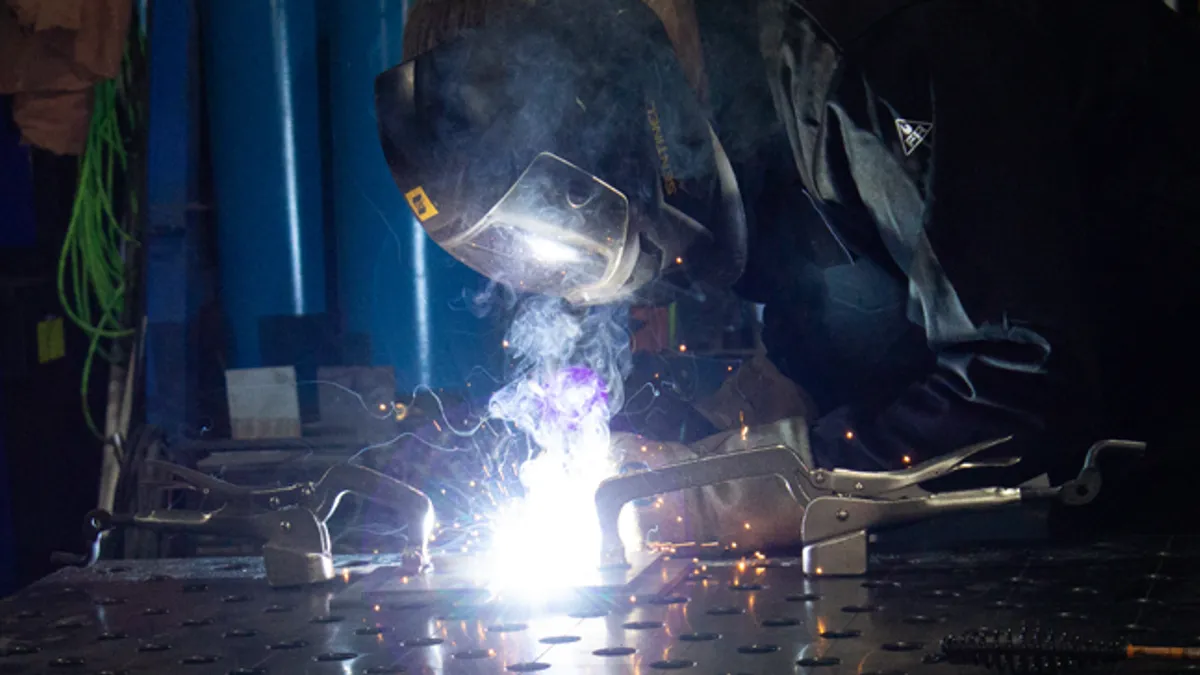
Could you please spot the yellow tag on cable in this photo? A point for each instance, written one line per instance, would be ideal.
(51, 345)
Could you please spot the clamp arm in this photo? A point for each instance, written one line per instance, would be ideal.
(614, 493)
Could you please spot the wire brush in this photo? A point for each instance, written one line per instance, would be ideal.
(1048, 652)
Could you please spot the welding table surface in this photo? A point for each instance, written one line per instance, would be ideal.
(209, 616)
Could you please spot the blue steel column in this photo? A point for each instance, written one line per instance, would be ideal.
(262, 92)
(174, 288)
(397, 290)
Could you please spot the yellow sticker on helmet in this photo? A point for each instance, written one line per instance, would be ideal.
(422, 207)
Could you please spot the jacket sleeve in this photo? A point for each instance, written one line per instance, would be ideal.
(981, 212)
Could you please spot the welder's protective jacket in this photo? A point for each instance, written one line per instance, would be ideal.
(970, 151)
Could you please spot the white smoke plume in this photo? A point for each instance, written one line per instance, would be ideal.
(570, 367)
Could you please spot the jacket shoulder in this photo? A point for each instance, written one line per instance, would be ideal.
(840, 22)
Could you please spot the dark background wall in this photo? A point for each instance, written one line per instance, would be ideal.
(49, 461)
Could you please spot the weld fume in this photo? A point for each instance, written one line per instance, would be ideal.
(570, 367)
(569, 371)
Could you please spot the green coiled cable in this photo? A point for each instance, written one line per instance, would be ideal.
(92, 284)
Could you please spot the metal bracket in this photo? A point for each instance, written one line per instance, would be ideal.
(845, 555)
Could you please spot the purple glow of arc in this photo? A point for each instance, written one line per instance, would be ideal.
(572, 395)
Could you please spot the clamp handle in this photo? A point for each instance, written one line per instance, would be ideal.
(241, 497)
(906, 482)
(95, 524)
(1084, 488)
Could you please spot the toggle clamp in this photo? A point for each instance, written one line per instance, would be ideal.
(290, 521)
(841, 507)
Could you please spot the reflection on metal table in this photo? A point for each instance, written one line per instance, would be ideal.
(210, 616)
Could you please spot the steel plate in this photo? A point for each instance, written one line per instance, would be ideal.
(208, 616)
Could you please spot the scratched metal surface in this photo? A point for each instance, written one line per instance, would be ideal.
(208, 616)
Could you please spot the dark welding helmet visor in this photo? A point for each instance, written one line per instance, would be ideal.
(561, 151)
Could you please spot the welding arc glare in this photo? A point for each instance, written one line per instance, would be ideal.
(570, 366)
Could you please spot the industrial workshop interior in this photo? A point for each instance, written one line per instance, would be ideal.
(599, 336)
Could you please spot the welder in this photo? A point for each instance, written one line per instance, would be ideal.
(966, 219)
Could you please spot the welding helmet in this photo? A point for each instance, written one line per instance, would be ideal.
(560, 150)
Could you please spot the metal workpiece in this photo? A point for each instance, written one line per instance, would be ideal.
(465, 580)
(290, 521)
(220, 616)
(841, 507)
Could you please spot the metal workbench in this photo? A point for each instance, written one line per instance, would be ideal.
(210, 616)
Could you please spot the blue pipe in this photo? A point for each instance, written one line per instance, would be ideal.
(397, 290)
(264, 118)
(175, 288)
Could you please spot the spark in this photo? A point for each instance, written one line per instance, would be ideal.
(682, 348)
(571, 366)
(533, 532)
(849, 435)
(361, 400)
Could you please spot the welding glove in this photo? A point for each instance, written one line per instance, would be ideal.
(746, 514)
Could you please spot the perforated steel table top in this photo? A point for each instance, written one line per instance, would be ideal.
(209, 616)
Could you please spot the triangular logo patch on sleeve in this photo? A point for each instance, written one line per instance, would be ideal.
(912, 133)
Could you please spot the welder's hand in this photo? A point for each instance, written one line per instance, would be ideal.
(752, 513)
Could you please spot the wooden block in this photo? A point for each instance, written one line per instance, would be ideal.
(263, 402)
